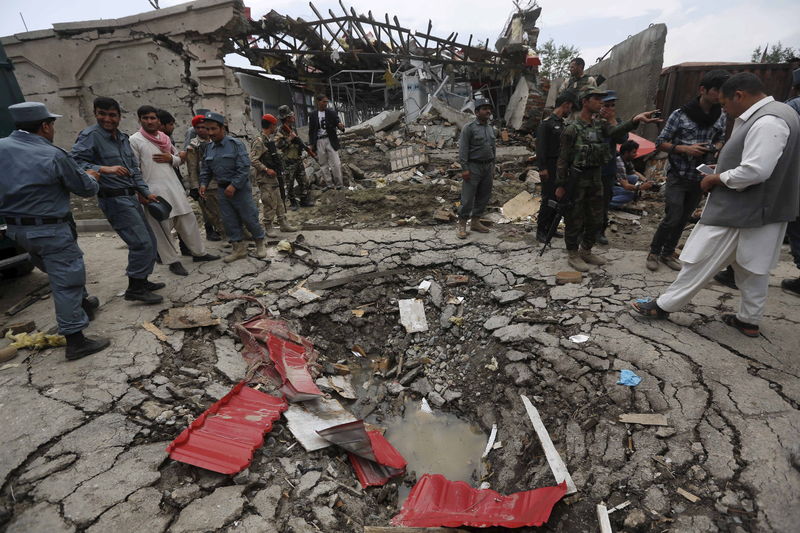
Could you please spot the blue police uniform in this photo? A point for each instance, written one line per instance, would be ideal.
(228, 162)
(35, 184)
(117, 198)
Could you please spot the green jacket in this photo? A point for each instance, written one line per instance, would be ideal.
(585, 147)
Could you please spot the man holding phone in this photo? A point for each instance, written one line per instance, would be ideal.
(691, 136)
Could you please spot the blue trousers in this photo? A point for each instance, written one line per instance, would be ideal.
(238, 211)
(476, 192)
(126, 216)
(54, 250)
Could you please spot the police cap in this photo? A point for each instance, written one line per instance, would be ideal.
(611, 96)
(480, 102)
(216, 117)
(30, 112)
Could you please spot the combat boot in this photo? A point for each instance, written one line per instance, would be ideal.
(284, 225)
(592, 259)
(576, 261)
(478, 226)
(138, 291)
(261, 250)
(79, 346)
(239, 252)
(461, 232)
(270, 229)
(306, 201)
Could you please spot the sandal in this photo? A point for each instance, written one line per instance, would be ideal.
(649, 309)
(751, 330)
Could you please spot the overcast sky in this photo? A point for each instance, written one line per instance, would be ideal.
(713, 30)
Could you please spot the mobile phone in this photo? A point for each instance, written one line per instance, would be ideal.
(656, 114)
(705, 169)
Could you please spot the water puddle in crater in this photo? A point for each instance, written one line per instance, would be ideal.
(436, 443)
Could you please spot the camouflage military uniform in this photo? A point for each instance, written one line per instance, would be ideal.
(208, 205)
(264, 155)
(578, 85)
(295, 176)
(584, 150)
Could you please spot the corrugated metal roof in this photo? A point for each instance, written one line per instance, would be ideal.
(374, 459)
(279, 355)
(437, 502)
(225, 436)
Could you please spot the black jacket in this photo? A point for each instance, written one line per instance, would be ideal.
(331, 120)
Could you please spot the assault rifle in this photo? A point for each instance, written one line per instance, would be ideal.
(273, 151)
(561, 207)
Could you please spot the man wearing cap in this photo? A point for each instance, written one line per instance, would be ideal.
(609, 171)
(209, 206)
(270, 176)
(577, 82)
(476, 152)
(157, 158)
(35, 185)
(691, 136)
(191, 133)
(584, 150)
(291, 148)
(322, 135)
(226, 161)
(548, 140)
(106, 150)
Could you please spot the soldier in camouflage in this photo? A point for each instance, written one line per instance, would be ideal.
(268, 165)
(291, 148)
(195, 150)
(584, 150)
(577, 82)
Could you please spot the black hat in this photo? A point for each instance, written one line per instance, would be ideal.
(159, 209)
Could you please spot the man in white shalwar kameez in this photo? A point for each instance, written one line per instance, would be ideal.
(754, 195)
(157, 157)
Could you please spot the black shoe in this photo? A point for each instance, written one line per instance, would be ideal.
(792, 286)
(213, 236)
(90, 306)
(294, 205)
(558, 235)
(177, 268)
(154, 285)
(601, 239)
(79, 346)
(307, 202)
(203, 258)
(184, 249)
(541, 236)
(137, 291)
(726, 278)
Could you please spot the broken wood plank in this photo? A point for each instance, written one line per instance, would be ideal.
(688, 495)
(602, 517)
(321, 227)
(336, 282)
(152, 328)
(645, 419)
(557, 465)
(456, 279)
(18, 327)
(33, 297)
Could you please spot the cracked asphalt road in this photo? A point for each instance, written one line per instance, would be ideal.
(82, 443)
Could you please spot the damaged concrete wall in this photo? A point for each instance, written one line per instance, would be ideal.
(170, 58)
(633, 69)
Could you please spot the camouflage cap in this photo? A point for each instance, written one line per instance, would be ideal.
(284, 112)
(593, 91)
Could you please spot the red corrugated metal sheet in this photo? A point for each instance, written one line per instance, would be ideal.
(645, 147)
(224, 437)
(374, 459)
(279, 355)
(437, 502)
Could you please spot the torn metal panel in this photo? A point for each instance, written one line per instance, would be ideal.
(307, 418)
(435, 501)
(225, 436)
(374, 459)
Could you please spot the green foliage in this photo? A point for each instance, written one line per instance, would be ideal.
(777, 53)
(555, 59)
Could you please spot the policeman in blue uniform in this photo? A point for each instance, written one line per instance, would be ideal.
(106, 150)
(227, 161)
(34, 201)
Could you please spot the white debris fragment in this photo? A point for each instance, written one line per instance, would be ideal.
(490, 443)
(579, 339)
(412, 315)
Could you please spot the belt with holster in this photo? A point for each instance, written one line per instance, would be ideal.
(36, 221)
(113, 193)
